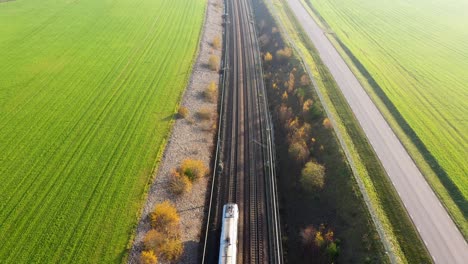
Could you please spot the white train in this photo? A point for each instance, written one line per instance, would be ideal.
(228, 240)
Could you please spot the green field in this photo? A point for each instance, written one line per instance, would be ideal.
(417, 53)
(88, 89)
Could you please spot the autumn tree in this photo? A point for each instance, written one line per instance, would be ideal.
(320, 243)
(298, 151)
(211, 92)
(303, 133)
(164, 218)
(283, 54)
(326, 123)
(306, 106)
(313, 176)
(304, 80)
(148, 257)
(193, 169)
(213, 63)
(268, 57)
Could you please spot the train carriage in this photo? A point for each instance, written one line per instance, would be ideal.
(228, 240)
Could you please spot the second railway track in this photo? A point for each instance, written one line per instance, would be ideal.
(245, 170)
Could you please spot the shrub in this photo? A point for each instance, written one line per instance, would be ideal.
(216, 43)
(326, 123)
(193, 169)
(148, 257)
(165, 219)
(213, 62)
(204, 113)
(306, 106)
(171, 250)
(284, 113)
(183, 112)
(211, 92)
(305, 80)
(284, 53)
(268, 57)
(179, 184)
(153, 240)
(313, 176)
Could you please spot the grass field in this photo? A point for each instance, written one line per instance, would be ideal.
(416, 54)
(87, 93)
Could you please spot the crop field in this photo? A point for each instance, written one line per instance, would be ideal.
(417, 53)
(88, 90)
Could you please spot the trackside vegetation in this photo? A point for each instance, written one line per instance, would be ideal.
(400, 235)
(411, 58)
(88, 92)
(323, 214)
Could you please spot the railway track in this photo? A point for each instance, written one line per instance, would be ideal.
(244, 166)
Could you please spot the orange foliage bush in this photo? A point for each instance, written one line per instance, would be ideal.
(164, 218)
(193, 169)
(148, 257)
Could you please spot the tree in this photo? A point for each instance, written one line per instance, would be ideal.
(326, 123)
(183, 112)
(148, 257)
(283, 54)
(211, 92)
(213, 62)
(165, 219)
(319, 241)
(313, 176)
(333, 251)
(193, 169)
(284, 113)
(216, 43)
(298, 151)
(306, 106)
(301, 134)
(268, 57)
(305, 80)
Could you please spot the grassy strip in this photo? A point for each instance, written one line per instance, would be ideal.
(399, 230)
(431, 170)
